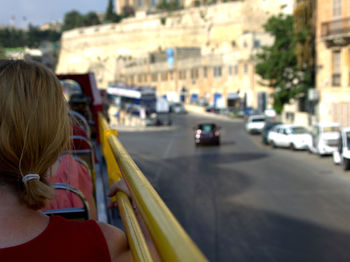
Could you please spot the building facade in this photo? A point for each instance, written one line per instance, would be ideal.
(222, 80)
(227, 35)
(333, 60)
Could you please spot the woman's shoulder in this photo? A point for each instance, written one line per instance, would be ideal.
(117, 243)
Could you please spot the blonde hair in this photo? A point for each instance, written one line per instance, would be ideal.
(34, 128)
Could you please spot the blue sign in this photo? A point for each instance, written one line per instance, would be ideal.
(170, 57)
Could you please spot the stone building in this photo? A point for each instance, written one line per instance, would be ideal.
(224, 33)
(184, 74)
(333, 60)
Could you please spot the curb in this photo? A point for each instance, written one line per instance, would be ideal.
(120, 128)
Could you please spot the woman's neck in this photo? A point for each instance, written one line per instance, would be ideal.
(18, 223)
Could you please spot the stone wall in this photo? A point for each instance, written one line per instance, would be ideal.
(212, 28)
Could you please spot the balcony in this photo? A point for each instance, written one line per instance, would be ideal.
(336, 32)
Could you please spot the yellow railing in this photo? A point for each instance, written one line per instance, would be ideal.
(170, 239)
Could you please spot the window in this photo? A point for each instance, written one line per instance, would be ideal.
(182, 74)
(245, 67)
(154, 3)
(230, 70)
(139, 2)
(217, 71)
(256, 43)
(154, 77)
(205, 72)
(236, 69)
(336, 68)
(194, 73)
(337, 7)
(139, 78)
(164, 76)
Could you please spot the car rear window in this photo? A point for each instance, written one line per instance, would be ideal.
(298, 130)
(258, 120)
(330, 129)
(208, 127)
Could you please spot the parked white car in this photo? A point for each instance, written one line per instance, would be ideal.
(255, 124)
(342, 154)
(292, 136)
(325, 138)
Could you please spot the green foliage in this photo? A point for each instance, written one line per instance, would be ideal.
(277, 64)
(109, 15)
(112, 17)
(169, 6)
(91, 18)
(11, 37)
(163, 20)
(72, 19)
(305, 31)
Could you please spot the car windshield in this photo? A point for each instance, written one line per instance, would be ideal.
(298, 130)
(206, 127)
(258, 120)
(328, 129)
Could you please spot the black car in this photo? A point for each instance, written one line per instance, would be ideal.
(268, 126)
(207, 133)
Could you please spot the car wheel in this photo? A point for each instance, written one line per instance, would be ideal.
(273, 144)
(292, 147)
(346, 164)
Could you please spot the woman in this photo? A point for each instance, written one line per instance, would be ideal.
(71, 172)
(34, 131)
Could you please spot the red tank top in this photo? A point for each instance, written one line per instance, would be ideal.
(62, 241)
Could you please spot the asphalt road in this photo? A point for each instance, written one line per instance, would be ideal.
(243, 201)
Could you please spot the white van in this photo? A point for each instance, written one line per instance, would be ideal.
(325, 138)
(342, 154)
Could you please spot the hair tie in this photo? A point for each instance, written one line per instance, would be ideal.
(28, 177)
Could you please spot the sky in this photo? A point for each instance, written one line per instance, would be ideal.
(39, 12)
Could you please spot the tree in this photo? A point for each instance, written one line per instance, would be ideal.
(305, 31)
(169, 5)
(72, 20)
(91, 18)
(277, 64)
(110, 15)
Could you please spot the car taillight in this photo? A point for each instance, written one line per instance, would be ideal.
(217, 133)
(198, 132)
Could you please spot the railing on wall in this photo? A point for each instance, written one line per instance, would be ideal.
(169, 238)
(335, 27)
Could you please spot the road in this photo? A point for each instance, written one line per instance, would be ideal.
(243, 201)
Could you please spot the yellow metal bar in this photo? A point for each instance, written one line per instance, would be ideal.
(172, 242)
(136, 240)
(114, 173)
